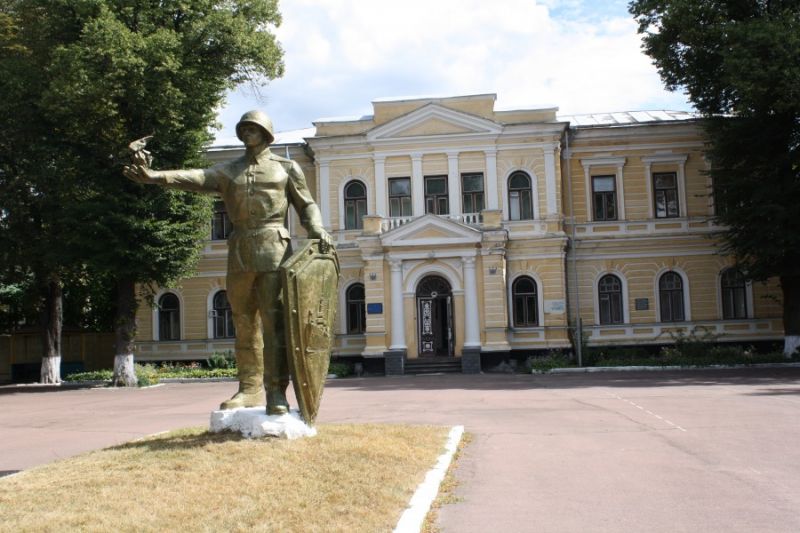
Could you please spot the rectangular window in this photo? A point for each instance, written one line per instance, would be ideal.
(665, 189)
(472, 192)
(436, 200)
(400, 197)
(220, 223)
(604, 197)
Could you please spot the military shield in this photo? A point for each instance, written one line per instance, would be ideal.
(310, 281)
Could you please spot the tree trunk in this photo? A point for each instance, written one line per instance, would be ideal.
(125, 330)
(790, 285)
(52, 322)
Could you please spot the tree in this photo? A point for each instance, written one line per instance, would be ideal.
(739, 63)
(101, 73)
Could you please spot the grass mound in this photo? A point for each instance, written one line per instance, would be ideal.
(348, 478)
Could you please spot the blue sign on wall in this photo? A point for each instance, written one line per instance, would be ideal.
(374, 309)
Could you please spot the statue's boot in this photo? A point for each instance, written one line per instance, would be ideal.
(277, 380)
(250, 369)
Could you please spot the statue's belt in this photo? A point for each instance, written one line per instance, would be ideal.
(262, 232)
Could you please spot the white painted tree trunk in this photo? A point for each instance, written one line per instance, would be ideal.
(124, 372)
(790, 344)
(51, 369)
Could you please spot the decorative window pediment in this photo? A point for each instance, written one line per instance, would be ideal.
(431, 230)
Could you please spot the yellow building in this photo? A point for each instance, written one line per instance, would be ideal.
(472, 233)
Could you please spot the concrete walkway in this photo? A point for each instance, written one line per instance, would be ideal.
(656, 451)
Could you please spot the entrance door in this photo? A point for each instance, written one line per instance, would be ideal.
(435, 317)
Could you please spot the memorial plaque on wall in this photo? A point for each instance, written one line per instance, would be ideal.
(642, 304)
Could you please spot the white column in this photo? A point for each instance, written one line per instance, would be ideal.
(491, 179)
(417, 186)
(324, 193)
(648, 180)
(550, 179)
(472, 334)
(398, 322)
(380, 186)
(454, 183)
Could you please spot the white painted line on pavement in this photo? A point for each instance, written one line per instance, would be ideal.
(649, 412)
(414, 515)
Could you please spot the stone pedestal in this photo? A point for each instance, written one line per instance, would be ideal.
(253, 422)
(394, 362)
(471, 361)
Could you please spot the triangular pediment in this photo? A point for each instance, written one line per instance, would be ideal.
(431, 230)
(434, 120)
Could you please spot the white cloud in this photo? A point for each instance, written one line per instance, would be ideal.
(342, 54)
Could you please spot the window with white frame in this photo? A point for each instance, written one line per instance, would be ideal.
(665, 195)
(436, 195)
(356, 309)
(400, 197)
(472, 192)
(355, 205)
(520, 203)
(221, 226)
(734, 294)
(670, 295)
(525, 302)
(604, 197)
(223, 317)
(609, 297)
(169, 317)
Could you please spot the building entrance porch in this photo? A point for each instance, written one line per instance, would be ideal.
(435, 317)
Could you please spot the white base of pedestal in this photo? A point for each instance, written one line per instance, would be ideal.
(253, 422)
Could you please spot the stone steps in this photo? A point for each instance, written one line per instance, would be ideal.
(439, 365)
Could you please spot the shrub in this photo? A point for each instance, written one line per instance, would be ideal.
(95, 375)
(146, 375)
(341, 370)
(546, 363)
(221, 360)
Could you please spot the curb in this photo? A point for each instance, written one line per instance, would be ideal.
(414, 516)
(589, 369)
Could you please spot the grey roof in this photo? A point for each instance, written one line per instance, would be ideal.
(624, 118)
(281, 137)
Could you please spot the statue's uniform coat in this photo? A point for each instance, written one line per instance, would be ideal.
(257, 190)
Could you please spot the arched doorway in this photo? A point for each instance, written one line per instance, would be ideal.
(435, 317)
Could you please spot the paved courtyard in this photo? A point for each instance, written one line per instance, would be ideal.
(712, 450)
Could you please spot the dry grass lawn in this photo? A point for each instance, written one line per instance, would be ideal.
(349, 478)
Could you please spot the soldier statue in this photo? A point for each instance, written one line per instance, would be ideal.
(257, 189)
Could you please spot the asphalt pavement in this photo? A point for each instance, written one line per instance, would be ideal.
(703, 450)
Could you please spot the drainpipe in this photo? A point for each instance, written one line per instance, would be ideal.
(573, 259)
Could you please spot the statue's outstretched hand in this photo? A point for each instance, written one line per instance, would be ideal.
(139, 173)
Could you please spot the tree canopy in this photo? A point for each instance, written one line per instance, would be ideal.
(82, 79)
(739, 63)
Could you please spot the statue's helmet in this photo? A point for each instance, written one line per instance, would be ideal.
(259, 118)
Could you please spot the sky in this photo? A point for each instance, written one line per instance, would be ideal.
(340, 55)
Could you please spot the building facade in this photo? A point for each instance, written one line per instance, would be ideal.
(469, 232)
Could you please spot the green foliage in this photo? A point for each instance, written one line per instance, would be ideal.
(95, 375)
(221, 360)
(739, 63)
(341, 370)
(83, 78)
(546, 363)
(146, 375)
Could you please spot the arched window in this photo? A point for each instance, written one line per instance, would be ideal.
(169, 318)
(525, 302)
(355, 204)
(734, 294)
(223, 317)
(520, 200)
(609, 293)
(356, 311)
(670, 295)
